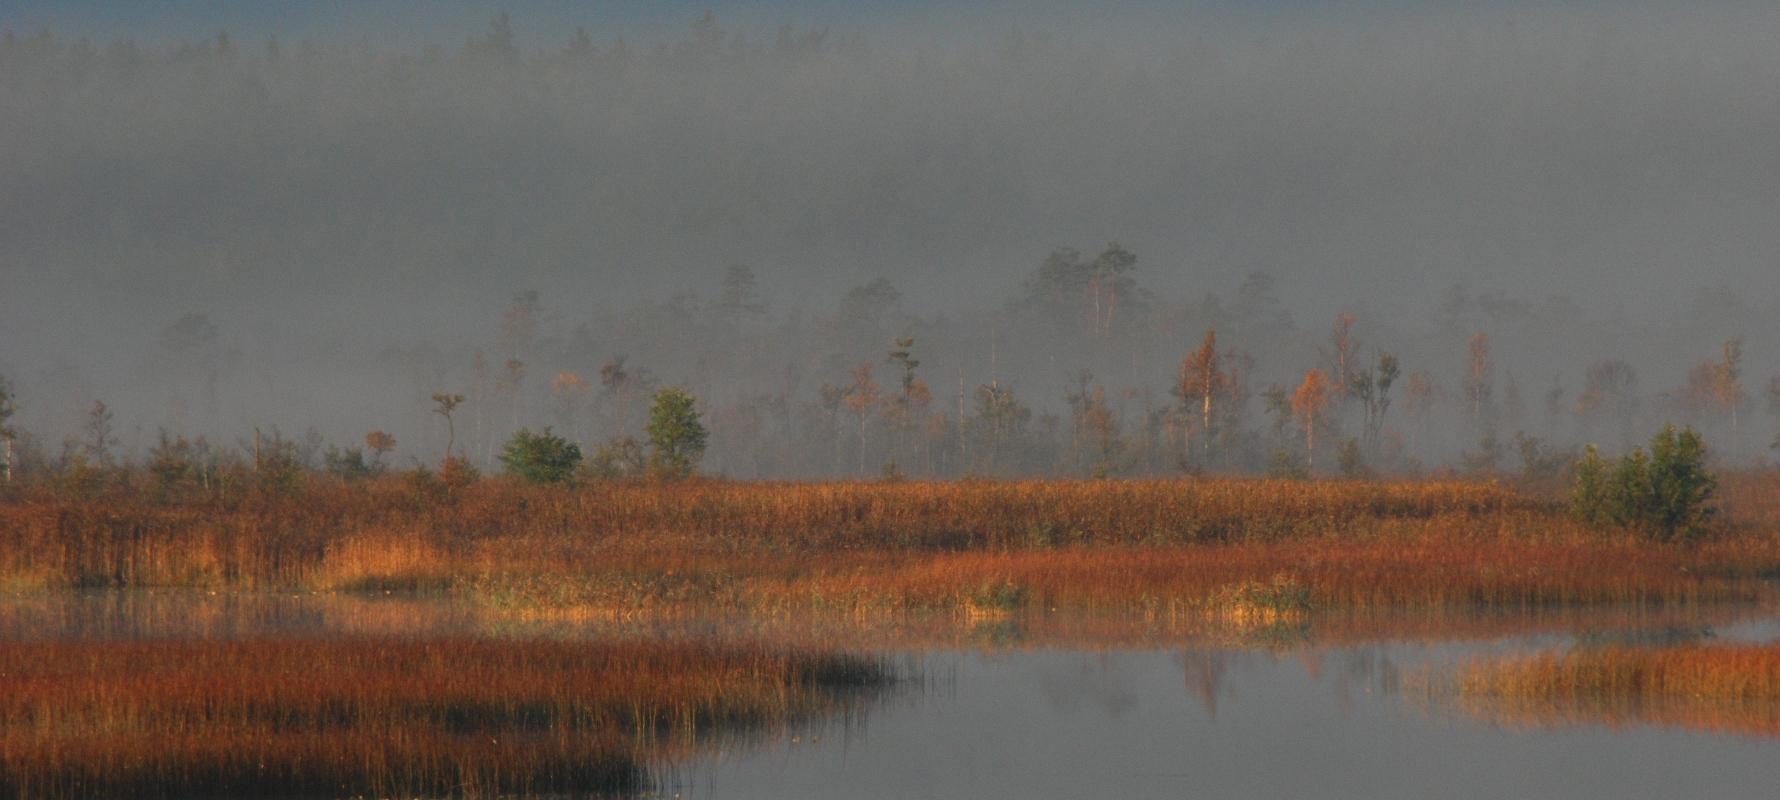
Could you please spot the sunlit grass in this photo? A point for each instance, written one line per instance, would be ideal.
(976, 548)
(389, 717)
(1715, 687)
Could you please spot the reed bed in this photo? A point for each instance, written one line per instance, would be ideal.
(390, 717)
(1325, 576)
(1155, 546)
(181, 614)
(1731, 688)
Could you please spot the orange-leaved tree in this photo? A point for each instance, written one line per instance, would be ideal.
(1202, 381)
(1310, 405)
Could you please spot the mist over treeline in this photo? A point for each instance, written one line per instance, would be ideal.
(1557, 222)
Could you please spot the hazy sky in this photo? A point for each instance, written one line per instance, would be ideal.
(1369, 155)
(421, 21)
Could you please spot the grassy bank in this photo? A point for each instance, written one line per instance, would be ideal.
(1715, 687)
(386, 717)
(1237, 547)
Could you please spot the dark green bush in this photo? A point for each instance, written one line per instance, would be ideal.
(1667, 494)
(676, 434)
(619, 458)
(349, 464)
(540, 457)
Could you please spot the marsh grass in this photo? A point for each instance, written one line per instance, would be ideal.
(392, 717)
(627, 550)
(1714, 687)
(1277, 601)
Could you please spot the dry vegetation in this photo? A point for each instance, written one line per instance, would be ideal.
(636, 549)
(390, 717)
(1718, 687)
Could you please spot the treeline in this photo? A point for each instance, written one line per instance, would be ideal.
(704, 42)
(852, 394)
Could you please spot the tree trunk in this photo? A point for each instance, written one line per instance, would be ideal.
(1094, 325)
(1310, 444)
(862, 445)
(1205, 421)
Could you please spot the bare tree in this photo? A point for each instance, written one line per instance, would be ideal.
(861, 397)
(1343, 352)
(1419, 396)
(1610, 389)
(8, 407)
(1730, 380)
(569, 390)
(1108, 282)
(512, 382)
(1479, 381)
(100, 437)
(444, 404)
(1372, 387)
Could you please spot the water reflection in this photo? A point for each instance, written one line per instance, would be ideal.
(1045, 706)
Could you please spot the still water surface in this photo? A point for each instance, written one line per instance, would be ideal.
(1164, 717)
(1071, 724)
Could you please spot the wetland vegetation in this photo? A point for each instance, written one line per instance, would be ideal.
(1157, 546)
(1152, 402)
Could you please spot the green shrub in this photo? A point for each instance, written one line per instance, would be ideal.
(1588, 488)
(1680, 487)
(278, 466)
(1667, 494)
(1286, 465)
(1351, 461)
(1003, 595)
(540, 457)
(348, 465)
(676, 434)
(619, 458)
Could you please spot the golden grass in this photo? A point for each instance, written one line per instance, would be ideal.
(389, 717)
(1159, 547)
(381, 562)
(1255, 604)
(1731, 688)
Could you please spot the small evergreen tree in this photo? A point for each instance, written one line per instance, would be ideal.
(278, 468)
(540, 457)
(348, 465)
(676, 434)
(1666, 493)
(1588, 491)
(1680, 487)
(176, 463)
(1629, 494)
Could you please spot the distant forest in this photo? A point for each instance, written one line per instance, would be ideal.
(870, 388)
